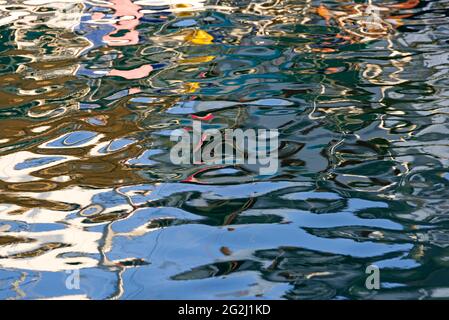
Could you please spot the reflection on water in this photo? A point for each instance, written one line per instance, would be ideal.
(92, 89)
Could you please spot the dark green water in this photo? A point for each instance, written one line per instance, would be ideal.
(91, 90)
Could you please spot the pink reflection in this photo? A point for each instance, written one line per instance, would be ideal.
(128, 14)
(138, 73)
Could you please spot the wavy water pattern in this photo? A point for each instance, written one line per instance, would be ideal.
(91, 90)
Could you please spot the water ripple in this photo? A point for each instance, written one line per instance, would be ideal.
(91, 91)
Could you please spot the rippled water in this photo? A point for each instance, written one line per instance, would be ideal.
(90, 91)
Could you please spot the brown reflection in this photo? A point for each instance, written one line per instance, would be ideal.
(51, 57)
(90, 169)
(366, 22)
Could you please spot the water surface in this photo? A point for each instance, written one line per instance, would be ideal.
(91, 90)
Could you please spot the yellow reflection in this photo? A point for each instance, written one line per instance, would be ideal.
(195, 60)
(199, 37)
